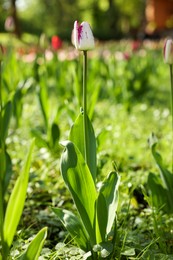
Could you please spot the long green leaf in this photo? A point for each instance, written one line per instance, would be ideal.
(16, 201)
(80, 183)
(35, 247)
(158, 193)
(166, 176)
(102, 218)
(109, 189)
(77, 137)
(74, 226)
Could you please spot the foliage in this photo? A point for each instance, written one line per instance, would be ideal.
(96, 209)
(116, 18)
(144, 231)
(11, 210)
(161, 187)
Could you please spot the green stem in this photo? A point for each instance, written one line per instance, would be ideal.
(85, 105)
(171, 77)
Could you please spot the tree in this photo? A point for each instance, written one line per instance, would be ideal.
(17, 29)
(9, 8)
(106, 19)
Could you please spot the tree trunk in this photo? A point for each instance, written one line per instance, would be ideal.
(17, 29)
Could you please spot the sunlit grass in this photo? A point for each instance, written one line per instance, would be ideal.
(122, 126)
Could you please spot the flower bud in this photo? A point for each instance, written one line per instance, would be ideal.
(168, 51)
(83, 37)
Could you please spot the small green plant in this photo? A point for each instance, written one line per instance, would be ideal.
(94, 228)
(48, 137)
(11, 210)
(162, 188)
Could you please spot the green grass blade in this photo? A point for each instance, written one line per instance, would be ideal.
(109, 189)
(8, 172)
(77, 137)
(6, 120)
(93, 98)
(74, 226)
(35, 247)
(16, 201)
(44, 101)
(80, 183)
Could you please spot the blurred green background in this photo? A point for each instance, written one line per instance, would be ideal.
(110, 19)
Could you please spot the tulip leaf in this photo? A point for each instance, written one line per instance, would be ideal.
(16, 202)
(74, 226)
(77, 137)
(102, 218)
(159, 194)
(109, 189)
(166, 176)
(35, 247)
(79, 181)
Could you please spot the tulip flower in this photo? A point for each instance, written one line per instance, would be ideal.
(168, 51)
(56, 42)
(83, 40)
(83, 37)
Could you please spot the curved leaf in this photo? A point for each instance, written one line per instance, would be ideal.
(35, 247)
(16, 202)
(77, 137)
(102, 218)
(159, 194)
(80, 183)
(74, 226)
(166, 176)
(109, 189)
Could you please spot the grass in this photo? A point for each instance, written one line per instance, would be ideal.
(122, 125)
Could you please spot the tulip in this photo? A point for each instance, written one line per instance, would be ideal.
(83, 37)
(56, 42)
(83, 40)
(168, 51)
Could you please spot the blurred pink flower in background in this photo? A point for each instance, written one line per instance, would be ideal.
(136, 45)
(9, 24)
(56, 43)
